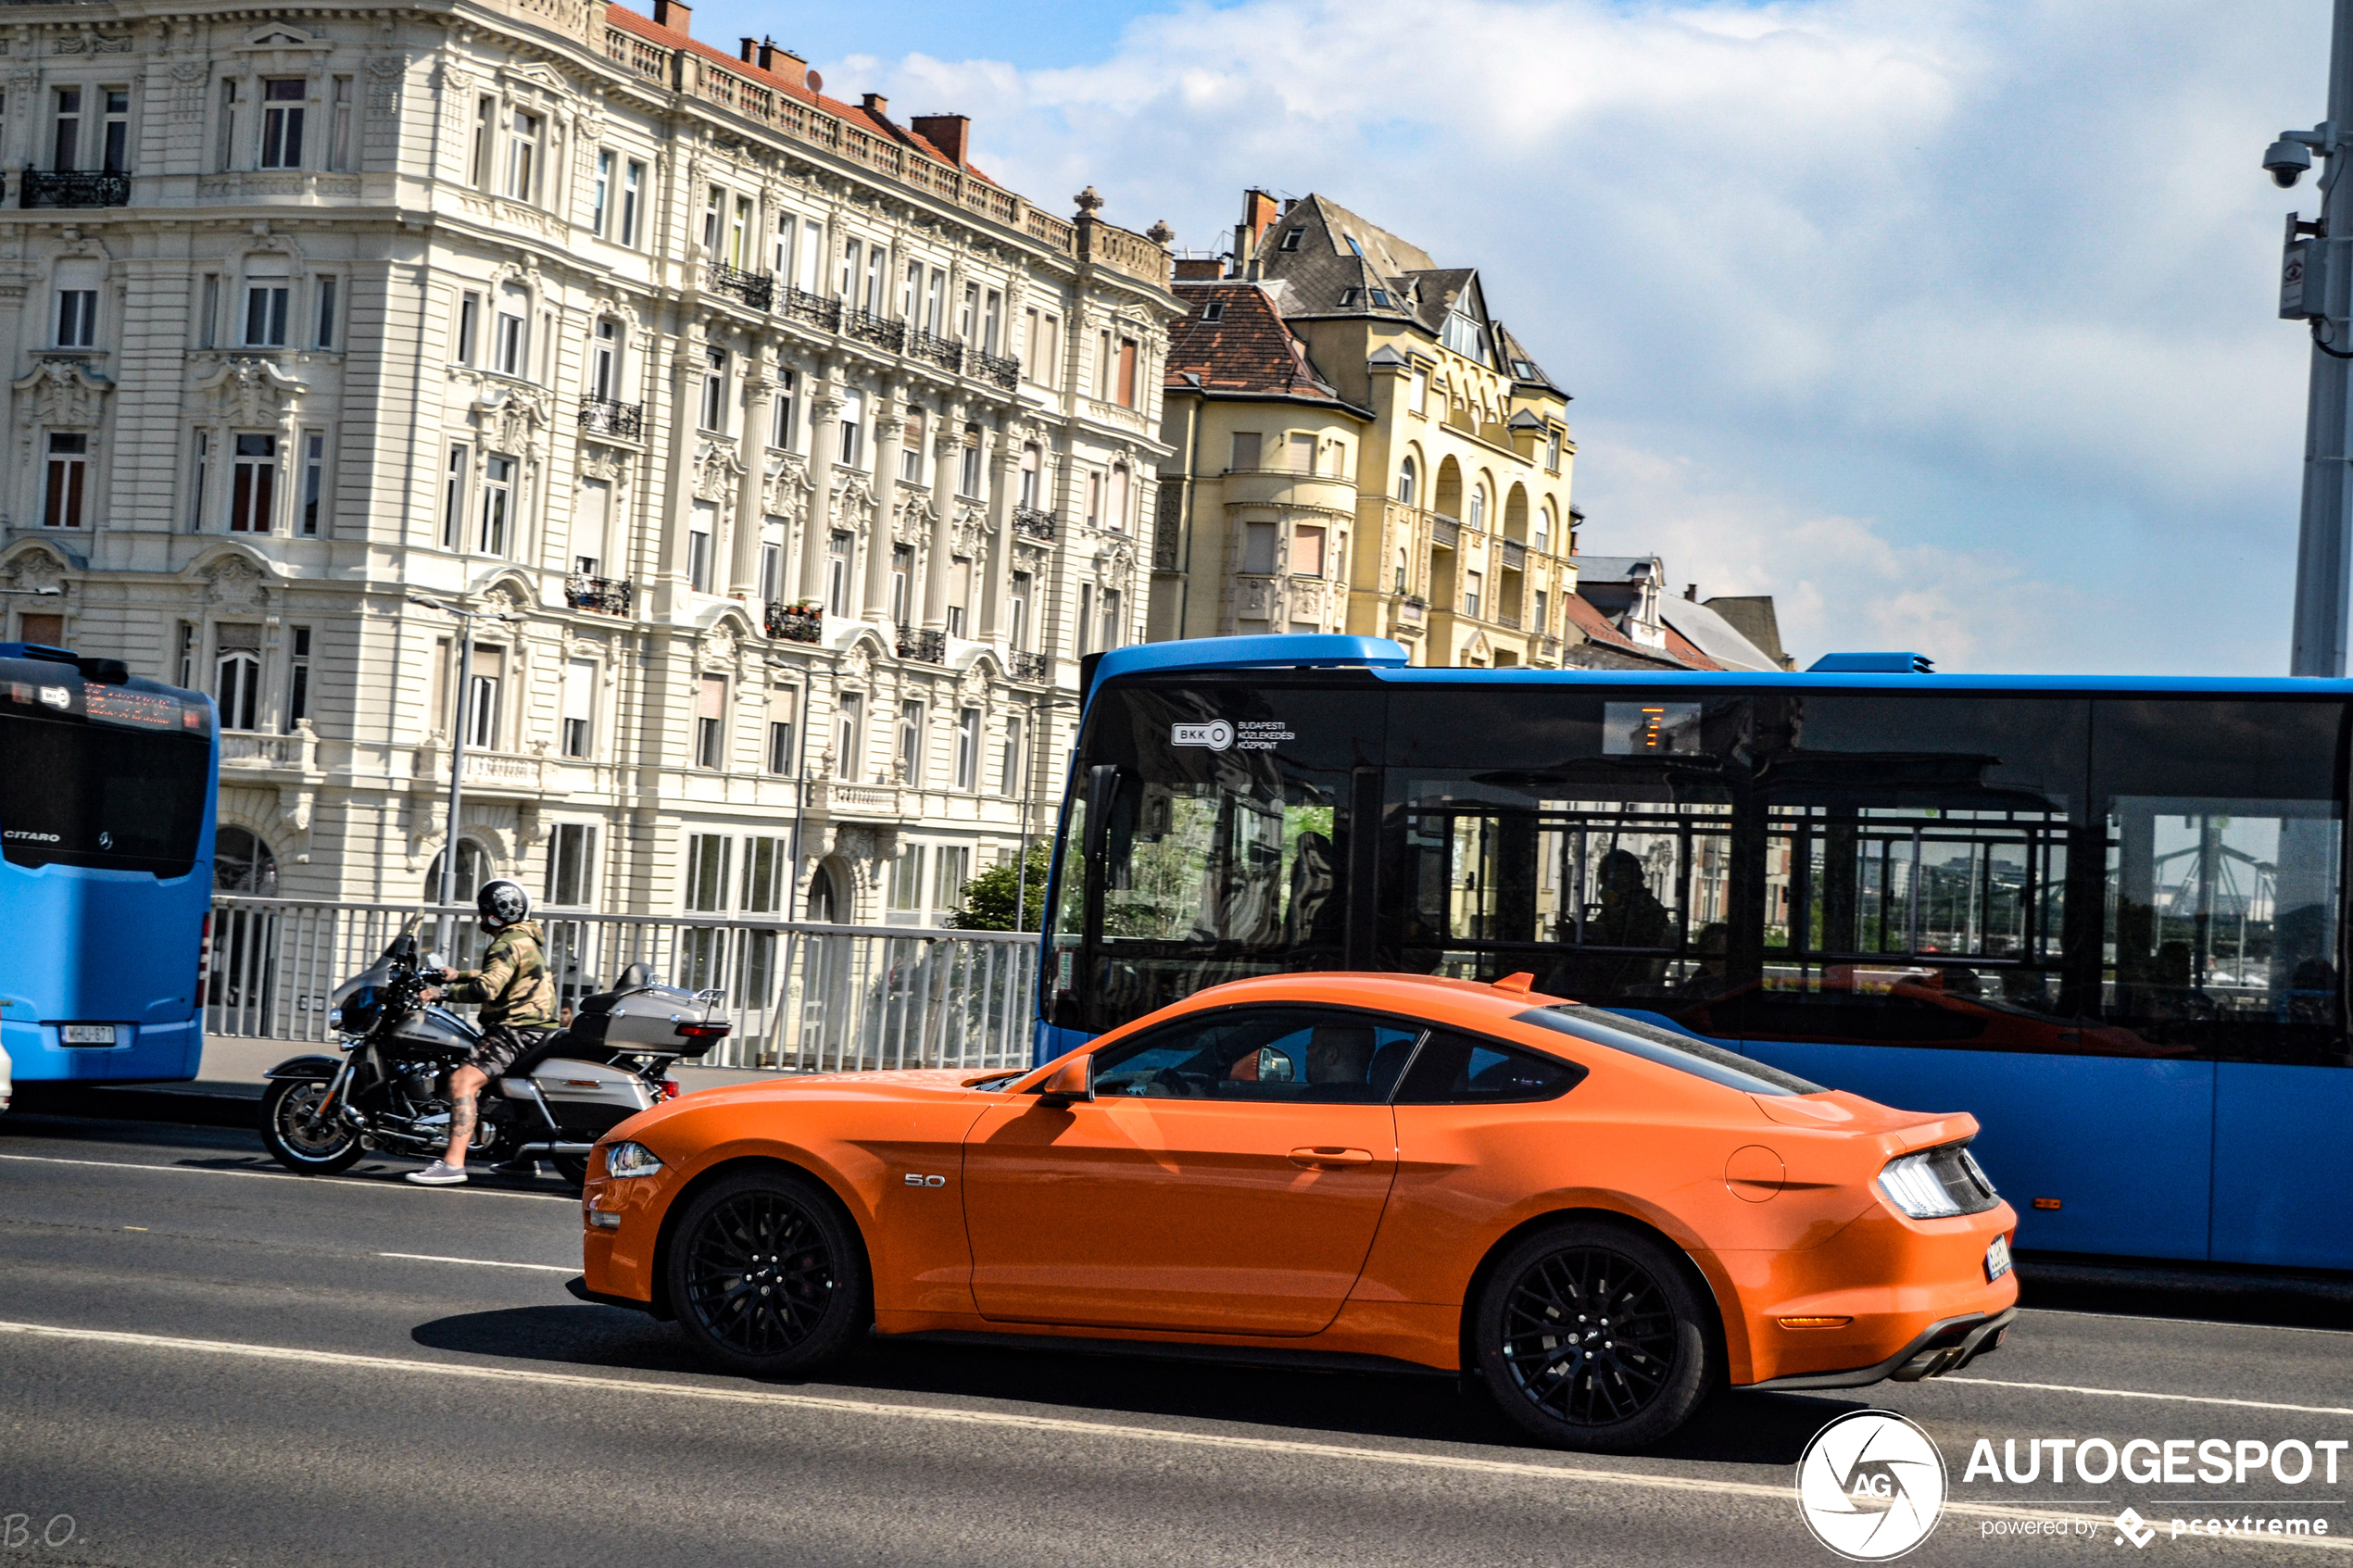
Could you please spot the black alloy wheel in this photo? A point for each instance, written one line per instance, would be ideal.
(299, 1136)
(767, 1276)
(1591, 1336)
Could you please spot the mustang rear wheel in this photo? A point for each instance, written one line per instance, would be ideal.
(767, 1276)
(1593, 1336)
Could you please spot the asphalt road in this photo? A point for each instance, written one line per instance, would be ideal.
(202, 1361)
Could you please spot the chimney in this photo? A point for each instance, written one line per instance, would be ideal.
(1691, 592)
(952, 133)
(1199, 268)
(876, 105)
(1258, 210)
(745, 53)
(669, 14)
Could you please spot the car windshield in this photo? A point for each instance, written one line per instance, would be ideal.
(1682, 1052)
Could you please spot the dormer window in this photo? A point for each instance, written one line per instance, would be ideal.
(1354, 246)
(1380, 298)
(1347, 297)
(1290, 240)
(1213, 311)
(1523, 369)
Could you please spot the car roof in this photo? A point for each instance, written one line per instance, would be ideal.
(1431, 997)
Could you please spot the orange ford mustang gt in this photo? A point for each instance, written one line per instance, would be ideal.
(1604, 1220)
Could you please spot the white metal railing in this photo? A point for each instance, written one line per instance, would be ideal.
(802, 997)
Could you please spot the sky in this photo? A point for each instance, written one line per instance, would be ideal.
(1951, 324)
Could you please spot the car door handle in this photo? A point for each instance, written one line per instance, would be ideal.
(1331, 1159)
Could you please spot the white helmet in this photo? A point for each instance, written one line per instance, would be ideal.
(502, 903)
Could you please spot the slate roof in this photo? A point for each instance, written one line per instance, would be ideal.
(1515, 356)
(1319, 272)
(1247, 350)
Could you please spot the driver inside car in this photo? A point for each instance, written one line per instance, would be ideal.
(518, 997)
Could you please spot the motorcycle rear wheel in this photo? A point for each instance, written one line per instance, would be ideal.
(573, 1168)
(297, 1136)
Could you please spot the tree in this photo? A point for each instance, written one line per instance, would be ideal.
(988, 899)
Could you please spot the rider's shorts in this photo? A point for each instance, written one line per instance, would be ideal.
(500, 1046)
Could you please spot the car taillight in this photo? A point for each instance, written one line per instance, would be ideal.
(1937, 1184)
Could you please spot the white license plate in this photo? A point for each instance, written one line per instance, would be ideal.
(87, 1033)
(1997, 1259)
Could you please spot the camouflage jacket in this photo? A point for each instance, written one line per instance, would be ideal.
(512, 985)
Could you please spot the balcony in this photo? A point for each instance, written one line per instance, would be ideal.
(1032, 524)
(1037, 667)
(929, 647)
(605, 596)
(836, 797)
(757, 290)
(945, 353)
(1515, 556)
(880, 331)
(72, 188)
(799, 305)
(997, 368)
(1509, 622)
(1444, 531)
(1413, 609)
(796, 623)
(602, 416)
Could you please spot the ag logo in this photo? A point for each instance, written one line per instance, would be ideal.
(1216, 734)
(1870, 1486)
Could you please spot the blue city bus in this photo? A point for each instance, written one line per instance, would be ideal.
(108, 786)
(2102, 914)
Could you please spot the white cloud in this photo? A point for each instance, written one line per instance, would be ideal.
(2018, 255)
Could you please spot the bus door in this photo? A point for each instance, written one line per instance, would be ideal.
(2222, 940)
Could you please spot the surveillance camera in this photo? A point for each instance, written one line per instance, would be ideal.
(2286, 162)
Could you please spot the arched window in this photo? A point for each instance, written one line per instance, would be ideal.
(1478, 517)
(1543, 540)
(1029, 476)
(1401, 571)
(824, 903)
(474, 870)
(1406, 475)
(236, 687)
(242, 863)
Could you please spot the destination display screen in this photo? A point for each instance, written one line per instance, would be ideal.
(120, 705)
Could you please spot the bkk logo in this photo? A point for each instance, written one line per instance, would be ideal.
(1216, 734)
(1870, 1486)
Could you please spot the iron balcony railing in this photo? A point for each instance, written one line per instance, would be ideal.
(796, 623)
(867, 327)
(757, 290)
(1514, 556)
(607, 596)
(72, 188)
(945, 353)
(1034, 523)
(602, 416)
(996, 368)
(801, 306)
(802, 997)
(1034, 667)
(930, 646)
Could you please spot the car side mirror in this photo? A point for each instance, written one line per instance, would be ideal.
(1073, 1080)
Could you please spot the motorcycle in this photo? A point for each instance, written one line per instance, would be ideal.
(389, 1089)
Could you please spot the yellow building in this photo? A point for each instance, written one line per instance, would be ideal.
(1359, 446)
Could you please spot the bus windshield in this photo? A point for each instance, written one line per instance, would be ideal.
(98, 794)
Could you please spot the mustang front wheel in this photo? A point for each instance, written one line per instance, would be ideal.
(767, 1276)
(1591, 1336)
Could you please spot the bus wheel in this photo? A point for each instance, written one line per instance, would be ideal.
(297, 1136)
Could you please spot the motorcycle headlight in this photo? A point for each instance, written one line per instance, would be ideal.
(626, 1160)
(335, 1018)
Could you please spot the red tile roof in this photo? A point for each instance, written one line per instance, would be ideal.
(790, 86)
(1587, 618)
(1247, 350)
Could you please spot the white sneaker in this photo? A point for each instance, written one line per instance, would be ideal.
(438, 1175)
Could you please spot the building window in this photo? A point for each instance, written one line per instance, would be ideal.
(838, 549)
(469, 326)
(911, 448)
(481, 698)
(254, 489)
(991, 318)
(708, 859)
(266, 315)
(1115, 513)
(522, 156)
(453, 499)
(763, 884)
(236, 687)
(853, 417)
(959, 593)
(1086, 626)
(952, 868)
(572, 851)
(1406, 476)
(1307, 552)
(710, 714)
(911, 742)
(69, 481)
(579, 705)
(77, 318)
(66, 149)
(771, 566)
(485, 117)
(509, 354)
(314, 474)
(600, 197)
(936, 302)
(498, 506)
(1399, 584)
(1472, 582)
(701, 524)
(968, 469)
(298, 679)
(787, 436)
(326, 312)
(1248, 447)
(1544, 617)
(604, 361)
(1009, 776)
(632, 183)
(339, 126)
(714, 391)
(902, 565)
(1301, 456)
(907, 878)
(781, 759)
(1418, 392)
(208, 318)
(188, 656)
(282, 104)
(1553, 451)
(713, 199)
(967, 748)
(200, 484)
(1213, 311)
(1017, 613)
(1543, 540)
(1127, 356)
(1478, 517)
(1258, 549)
(1028, 496)
(1113, 634)
(850, 734)
(228, 123)
(1291, 239)
(968, 319)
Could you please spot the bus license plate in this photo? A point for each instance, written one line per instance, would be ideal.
(1997, 1259)
(88, 1033)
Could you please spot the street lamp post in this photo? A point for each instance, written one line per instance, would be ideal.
(2325, 543)
(448, 891)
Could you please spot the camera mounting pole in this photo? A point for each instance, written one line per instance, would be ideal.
(2325, 543)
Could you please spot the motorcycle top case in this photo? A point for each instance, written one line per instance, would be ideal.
(646, 1020)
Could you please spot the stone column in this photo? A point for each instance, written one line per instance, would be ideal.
(824, 439)
(947, 452)
(999, 589)
(890, 421)
(760, 413)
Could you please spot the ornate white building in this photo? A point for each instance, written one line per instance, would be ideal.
(543, 308)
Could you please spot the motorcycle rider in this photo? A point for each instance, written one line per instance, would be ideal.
(518, 997)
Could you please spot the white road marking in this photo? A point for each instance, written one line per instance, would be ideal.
(2193, 1322)
(2139, 1394)
(952, 1416)
(483, 1262)
(323, 1182)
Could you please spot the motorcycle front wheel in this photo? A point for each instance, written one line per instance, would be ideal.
(297, 1136)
